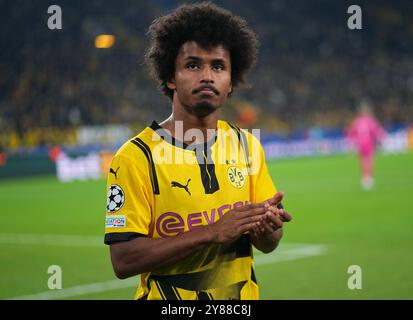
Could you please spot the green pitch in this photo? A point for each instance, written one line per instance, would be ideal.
(335, 225)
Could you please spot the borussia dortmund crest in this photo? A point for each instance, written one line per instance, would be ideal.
(237, 176)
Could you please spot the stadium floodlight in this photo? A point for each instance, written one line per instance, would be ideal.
(104, 41)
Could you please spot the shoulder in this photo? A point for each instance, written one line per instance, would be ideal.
(138, 149)
(251, 136)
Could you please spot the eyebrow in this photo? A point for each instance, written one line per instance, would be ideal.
(194, 58)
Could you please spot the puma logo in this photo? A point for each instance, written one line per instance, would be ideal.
(114, 172)
(178, 185)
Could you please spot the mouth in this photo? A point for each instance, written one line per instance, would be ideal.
(206, 91)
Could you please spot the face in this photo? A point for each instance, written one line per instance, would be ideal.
(202, 78)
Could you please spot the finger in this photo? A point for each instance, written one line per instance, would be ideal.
(274, 219)
(267, 228)
(250, 218)
(249, 206)
(276, 199)
(278, 222)
(262, 227)
(247, 227)
(285, 216)
(274, 210)
(251, 212)
(258, 211)
(256, 230)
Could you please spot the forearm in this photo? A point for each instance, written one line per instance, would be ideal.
(145, 254)
(267, 242)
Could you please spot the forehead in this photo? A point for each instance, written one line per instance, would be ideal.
(193, 49)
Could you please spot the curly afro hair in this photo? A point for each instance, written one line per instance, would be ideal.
(208, 25)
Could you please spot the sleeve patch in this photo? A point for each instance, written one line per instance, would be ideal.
(118, 221)
(116, 198)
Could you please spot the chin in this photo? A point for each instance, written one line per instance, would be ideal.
(203, 109)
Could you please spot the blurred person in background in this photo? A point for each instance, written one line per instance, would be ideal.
(365, 132)
(3, 157)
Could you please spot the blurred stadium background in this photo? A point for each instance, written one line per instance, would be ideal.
(66, 105)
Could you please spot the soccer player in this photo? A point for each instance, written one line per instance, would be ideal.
(185, 209)
(364, 132)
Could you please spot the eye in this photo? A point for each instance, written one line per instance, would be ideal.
(218, 67)
(192, 66)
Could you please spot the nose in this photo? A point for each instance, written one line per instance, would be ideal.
(206, 76)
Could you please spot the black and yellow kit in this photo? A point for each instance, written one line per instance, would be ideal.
(160, 187)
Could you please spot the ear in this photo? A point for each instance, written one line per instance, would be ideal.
(171, 84)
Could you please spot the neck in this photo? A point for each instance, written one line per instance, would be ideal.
(180, 121)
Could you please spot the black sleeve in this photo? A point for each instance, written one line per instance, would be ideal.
(111, 238)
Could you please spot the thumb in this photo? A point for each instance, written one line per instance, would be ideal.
(276, 199)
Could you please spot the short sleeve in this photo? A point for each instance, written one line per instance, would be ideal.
(129, 200)
(262, 186)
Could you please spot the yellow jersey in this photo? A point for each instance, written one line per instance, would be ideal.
(160, 187)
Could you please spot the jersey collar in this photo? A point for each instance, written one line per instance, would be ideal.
(180, 144)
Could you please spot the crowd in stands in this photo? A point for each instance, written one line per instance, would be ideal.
(312, 70)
